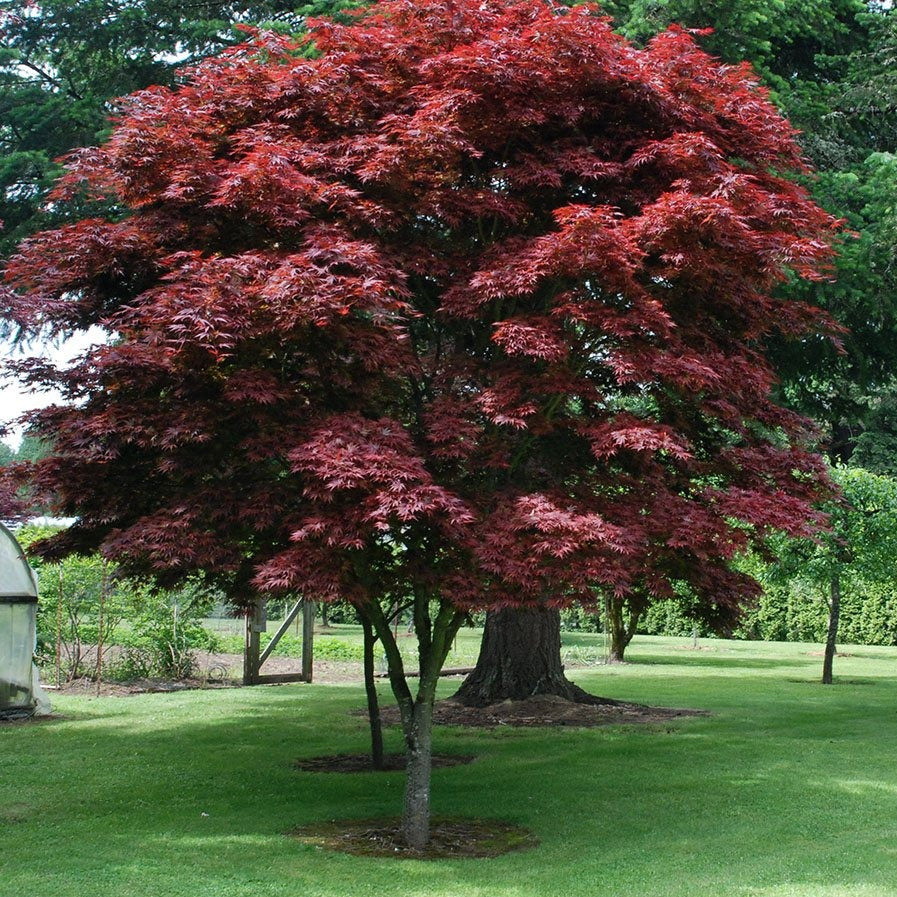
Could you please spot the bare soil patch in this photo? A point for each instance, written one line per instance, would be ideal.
(213, 671)
(88, 688)
(362, 762)
(450, 838)
(545, 711)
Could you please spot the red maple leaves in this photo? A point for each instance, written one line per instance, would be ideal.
(471, 301)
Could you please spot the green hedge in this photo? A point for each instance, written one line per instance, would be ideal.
(796, 613)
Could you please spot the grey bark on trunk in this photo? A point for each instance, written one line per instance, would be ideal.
(434, 638)
(419, 746)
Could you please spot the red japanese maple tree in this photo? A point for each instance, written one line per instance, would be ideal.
(466, 309)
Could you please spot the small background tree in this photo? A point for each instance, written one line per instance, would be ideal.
(858, 551)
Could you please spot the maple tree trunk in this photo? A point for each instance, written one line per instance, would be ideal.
(434, 638)
(520, 656)
(831, 640)
(370, 687)
(417, 717)
(419, 745)
(621, 630)
(417, 724)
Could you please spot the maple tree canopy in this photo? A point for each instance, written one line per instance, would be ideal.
(458, 305)
(470, 302)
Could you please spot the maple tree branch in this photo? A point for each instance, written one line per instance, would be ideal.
(548, 414)
(444, 629)
(422, 625)
(395, 665)
(448, 633)
(398, 611)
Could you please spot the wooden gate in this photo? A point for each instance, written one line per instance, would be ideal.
(254, 657)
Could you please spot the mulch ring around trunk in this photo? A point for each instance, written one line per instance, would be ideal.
(545, 711)
(450, 838)
(362, 762)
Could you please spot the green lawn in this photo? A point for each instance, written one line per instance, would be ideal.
(788, 788)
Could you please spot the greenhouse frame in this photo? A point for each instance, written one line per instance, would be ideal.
(20, 692)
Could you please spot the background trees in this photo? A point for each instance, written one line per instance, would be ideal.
(829, 66)
(858, 550)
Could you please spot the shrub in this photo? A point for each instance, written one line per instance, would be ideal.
(337, 649)
(670, 618)
(165, 632)
(797, 612)
(76, 597)
(578, 619)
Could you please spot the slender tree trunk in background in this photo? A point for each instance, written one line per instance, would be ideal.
(370, 688)
(325, 615)
(76, 652)
(834, 613)
(520, 656)
(59, 631)
(621, 630)
(104, 586)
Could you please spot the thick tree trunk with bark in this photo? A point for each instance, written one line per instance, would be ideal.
(520, 656)
(621, 629)
(370, 687)
(831, 641)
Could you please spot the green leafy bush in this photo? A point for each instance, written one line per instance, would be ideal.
(578, 619)
(291, 646)
(82, 602)
(337, 649)
(795, 612)
(105, 622)
(165, 631)
(230, 643)
(669, 618)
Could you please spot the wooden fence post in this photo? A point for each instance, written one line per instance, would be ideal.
(308, 637)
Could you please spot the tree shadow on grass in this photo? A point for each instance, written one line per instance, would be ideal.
(838, 680)
(204, 804)
(732, 662)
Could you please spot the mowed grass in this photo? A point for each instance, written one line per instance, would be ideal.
(786, 788)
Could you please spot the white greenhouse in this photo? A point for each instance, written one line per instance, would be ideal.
(20, 693)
